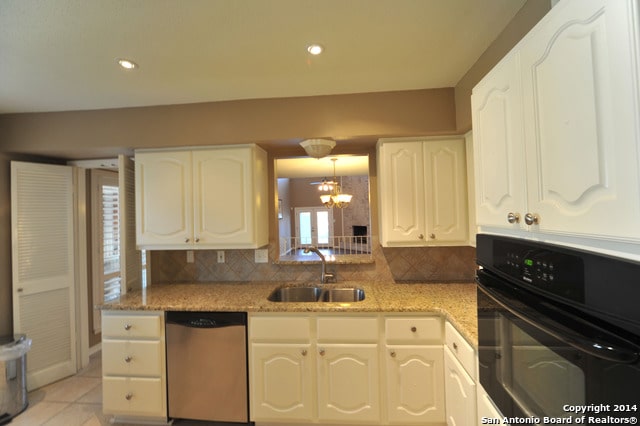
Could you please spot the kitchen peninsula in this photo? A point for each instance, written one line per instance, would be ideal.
(456, 302)
(300, 354)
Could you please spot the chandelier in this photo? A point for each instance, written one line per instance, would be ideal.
(335, 198)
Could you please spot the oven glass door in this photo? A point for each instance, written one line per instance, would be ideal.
(538, 361)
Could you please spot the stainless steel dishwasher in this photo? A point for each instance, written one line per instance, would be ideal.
(207, 366)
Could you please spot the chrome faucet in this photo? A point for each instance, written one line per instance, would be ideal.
(325, 276)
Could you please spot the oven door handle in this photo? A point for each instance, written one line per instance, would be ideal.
(621, 351)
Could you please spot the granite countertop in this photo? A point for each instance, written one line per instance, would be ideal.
(456, 302)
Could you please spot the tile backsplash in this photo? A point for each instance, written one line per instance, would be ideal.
(403, 264)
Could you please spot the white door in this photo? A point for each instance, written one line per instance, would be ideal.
(43, 268)
(314, 226)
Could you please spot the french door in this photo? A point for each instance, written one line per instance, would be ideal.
(314, 226)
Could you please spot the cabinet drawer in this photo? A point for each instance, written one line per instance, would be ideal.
(348, 329)
(282, 328)
(133, 396)
(461, 349)
(131, 326)
(413, 330)
(132, 357)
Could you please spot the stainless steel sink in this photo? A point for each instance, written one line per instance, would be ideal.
(342, 295)
(316, 294)
(295, 294)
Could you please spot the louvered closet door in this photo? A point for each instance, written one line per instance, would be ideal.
(43, 268)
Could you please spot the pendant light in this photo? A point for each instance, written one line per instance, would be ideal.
(336, 198)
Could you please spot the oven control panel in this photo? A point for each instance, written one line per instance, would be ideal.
(543, 269)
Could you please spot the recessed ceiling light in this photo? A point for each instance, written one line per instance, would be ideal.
(127, 64)
(314, 49)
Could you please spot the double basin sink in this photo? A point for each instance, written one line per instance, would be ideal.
(317, 294)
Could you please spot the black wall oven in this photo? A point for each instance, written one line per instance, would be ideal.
(558, 332)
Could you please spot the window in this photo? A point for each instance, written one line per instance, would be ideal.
(105, 217)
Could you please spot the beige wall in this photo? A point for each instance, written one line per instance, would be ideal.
(273, 123)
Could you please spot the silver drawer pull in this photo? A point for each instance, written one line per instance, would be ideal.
(127, 327)
(128, 359)
(128, 396)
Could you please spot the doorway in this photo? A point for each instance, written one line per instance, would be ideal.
(314, 226)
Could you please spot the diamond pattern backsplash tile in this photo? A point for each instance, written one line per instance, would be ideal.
(401, 264)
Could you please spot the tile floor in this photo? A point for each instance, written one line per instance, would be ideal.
(76, 400)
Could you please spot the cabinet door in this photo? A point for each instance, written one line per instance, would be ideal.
(487, 411)
(580, 93)
(415, 384)
(402, 212)
(445, 183)
(460, 393)
(498, 139)
(223, 194)
(164, 199)
(281, 382)
(348, 384)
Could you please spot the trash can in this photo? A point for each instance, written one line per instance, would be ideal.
(13, 386)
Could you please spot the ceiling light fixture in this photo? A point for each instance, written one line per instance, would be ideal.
(127, 64)
(336, 198)
(315, 49)
(318, 148)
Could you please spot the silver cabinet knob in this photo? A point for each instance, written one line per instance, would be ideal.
(127, 327)
(128, 359)
(128, 396)
(393, 354)
(303, 352)
(513, 217)
(531, 219)
(421, 237)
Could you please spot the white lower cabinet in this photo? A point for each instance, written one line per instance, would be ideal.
(348, 383)
(134, 366)
(346, 369)
(459, 379)
(281, 383)
(487, 411)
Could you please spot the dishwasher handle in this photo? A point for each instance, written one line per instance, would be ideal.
(206, 319)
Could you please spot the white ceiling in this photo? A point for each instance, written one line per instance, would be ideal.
(61, 54)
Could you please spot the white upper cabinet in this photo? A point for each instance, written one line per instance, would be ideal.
(556, 126)
(202, 198)
(422, 192)
(498, 142)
